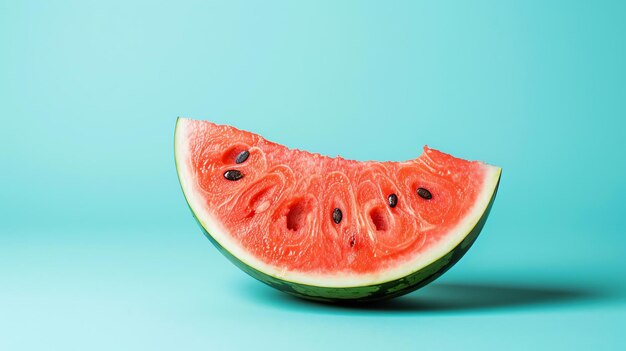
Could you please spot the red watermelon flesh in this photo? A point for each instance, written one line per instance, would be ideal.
(278, 217)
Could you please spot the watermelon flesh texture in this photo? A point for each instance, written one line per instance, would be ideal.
(276, 222)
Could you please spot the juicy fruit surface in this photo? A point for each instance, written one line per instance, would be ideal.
(281, 209)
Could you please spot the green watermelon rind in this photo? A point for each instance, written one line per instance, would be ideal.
(366, 293)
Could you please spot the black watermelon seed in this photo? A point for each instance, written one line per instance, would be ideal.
(393, 200)
(337, 215)
(242, 157)
(424, 194)
(352, 241)
(233, 174)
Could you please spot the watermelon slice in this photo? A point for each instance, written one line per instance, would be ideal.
(326, 228)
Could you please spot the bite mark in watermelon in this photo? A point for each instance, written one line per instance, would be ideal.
(277, 220)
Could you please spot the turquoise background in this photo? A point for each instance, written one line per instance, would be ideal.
(98, 250)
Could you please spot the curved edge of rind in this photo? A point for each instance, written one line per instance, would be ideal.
(368, 293)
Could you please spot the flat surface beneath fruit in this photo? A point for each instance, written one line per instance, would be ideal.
(171, 290)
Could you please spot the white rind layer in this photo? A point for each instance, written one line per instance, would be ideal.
(212, 225)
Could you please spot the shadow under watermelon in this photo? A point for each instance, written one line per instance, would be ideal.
(446, 296)
(480, 296)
